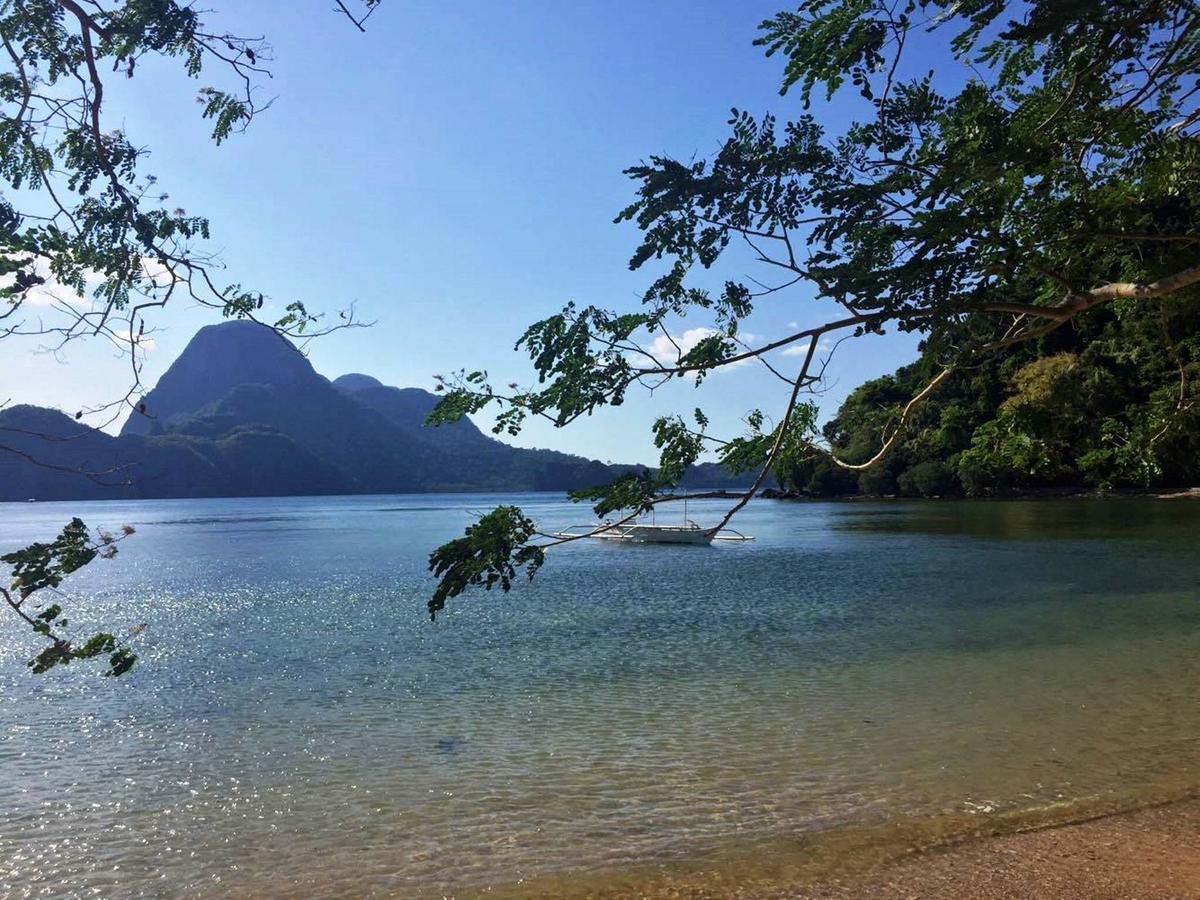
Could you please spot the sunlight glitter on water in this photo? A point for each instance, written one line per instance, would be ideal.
(296, 723)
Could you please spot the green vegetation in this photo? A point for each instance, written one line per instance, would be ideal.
(41, 567)
(1110, 403)
(79, 214)
(1037, 199)
(242, 413)
(488, 555)
(1032, 214)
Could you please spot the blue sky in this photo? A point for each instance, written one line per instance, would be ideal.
(455, 172)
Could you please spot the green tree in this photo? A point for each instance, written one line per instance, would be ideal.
(41, 567)
(1053, 175)
(80, 217)
(1108, 403)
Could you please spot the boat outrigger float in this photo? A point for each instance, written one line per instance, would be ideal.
(687, 533)
(650, 533)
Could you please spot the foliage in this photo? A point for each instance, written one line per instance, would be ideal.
(1050, 176)
(1112, 403)
(930, 478)
(86, 235)
(41, 567)
(490, 553)
(241, 413)
(633, 490)
(78, 214)
(759, 448)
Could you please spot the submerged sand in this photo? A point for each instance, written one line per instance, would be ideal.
(1149, 853)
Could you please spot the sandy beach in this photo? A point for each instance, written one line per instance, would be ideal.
(1144, 854)
(1149, 853)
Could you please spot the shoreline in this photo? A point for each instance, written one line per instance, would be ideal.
(720, 493)
(1080, 493)
(1143, 851)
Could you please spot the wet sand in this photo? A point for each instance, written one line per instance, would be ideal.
(1148, 854)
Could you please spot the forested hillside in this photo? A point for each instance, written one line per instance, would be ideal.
(1110, 402)
(242, 413)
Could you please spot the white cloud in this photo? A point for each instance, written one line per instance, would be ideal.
(159, 274)
(800, 348)
(52, 292)
(667, 350)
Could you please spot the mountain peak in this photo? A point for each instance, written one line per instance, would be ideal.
(216, 360)
(241, 412)
(356, 381)
(38, 421)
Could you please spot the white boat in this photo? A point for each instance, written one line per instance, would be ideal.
(640, 533)
(688, 532)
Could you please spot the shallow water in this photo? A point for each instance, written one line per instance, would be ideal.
(861, 674)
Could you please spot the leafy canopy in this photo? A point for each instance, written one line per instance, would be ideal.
(42, 567)
(1113, 402)
(82, 224)
(1052, 173)
(87, 236)
(488, 555)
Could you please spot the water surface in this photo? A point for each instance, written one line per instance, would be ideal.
(295, 723)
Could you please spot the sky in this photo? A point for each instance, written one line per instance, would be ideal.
(454, 172)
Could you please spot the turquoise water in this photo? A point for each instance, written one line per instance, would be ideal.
(295, 723)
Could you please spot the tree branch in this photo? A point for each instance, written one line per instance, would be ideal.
(900, 425)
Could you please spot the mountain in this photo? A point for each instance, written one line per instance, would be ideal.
(355, 382)
(242, 412)
(75, 462)
(482, 462)
(218, 359)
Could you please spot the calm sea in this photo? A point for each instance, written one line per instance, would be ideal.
(862, 676)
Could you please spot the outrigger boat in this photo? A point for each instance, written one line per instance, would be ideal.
(650, 533)
(639, 533)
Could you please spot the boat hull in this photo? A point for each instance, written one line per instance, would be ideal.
(660, 534)
(645, 534)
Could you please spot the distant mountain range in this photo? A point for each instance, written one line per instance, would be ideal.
(242, 413)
